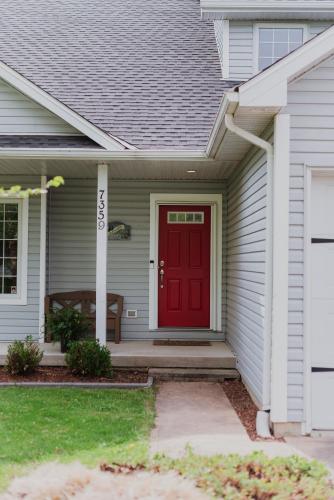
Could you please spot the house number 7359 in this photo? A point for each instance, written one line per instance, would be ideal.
(101, 206)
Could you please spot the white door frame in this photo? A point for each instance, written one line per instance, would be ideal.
(216, 203)
(309, 171)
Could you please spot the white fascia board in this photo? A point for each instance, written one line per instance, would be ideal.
(228, 9)
(228, 104)
(103, 155)
(31, 90)
(269, 88)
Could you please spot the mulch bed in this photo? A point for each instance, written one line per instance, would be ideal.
(62, 374)
(244, 407)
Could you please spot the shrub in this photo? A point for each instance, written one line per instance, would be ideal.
(88, 359)
(254, 476)
(67, 325)
(23, 357)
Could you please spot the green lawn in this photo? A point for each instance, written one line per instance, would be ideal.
(92, 426)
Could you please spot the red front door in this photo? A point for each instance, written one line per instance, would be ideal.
(184, 266)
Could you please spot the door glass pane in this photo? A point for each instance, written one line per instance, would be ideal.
(185, 217)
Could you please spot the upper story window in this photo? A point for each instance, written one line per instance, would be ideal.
(13, 251)
(275, 42)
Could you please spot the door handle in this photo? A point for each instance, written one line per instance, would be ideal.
(161, 272)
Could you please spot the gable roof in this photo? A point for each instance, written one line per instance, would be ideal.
(255, 103)
(269, 87)
(146, 72)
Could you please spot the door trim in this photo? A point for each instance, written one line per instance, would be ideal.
(309, 172)
(216, 203)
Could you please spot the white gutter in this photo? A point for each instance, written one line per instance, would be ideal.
(95, 154)
(269, 150)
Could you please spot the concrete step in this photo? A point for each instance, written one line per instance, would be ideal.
(193, 374)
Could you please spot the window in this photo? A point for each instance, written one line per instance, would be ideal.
(13, 251)
(276, 42)
(185, 217)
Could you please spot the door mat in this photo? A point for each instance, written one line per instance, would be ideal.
(199, 343)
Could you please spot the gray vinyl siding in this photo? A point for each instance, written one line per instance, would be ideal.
(246, 240)
(73, 241)
(16, 322)
(311, 105)
(241, 50)
(241, 47)
(318, 27)
(21, 115)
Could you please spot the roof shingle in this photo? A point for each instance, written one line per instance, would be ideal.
(146, 71)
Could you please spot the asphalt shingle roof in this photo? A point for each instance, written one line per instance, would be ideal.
(146, 71)
(47, 141)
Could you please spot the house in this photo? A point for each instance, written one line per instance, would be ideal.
(208, 129)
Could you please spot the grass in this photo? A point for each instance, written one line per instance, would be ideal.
(93, 426)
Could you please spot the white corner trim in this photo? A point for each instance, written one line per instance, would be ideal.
(307, 424)
(278, 24)
(216, 202)
(101, 253)
(226, 49)
(22, 263)
(279, 345)
(42, 262)
(43, 98)
(269, 87)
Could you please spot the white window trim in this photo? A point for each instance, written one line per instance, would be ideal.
(22, 255)
(216, 203)
(256, 31)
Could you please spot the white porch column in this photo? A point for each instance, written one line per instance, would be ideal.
(101, 253)
(42, 262)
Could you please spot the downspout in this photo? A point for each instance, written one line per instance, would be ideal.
(262, 419)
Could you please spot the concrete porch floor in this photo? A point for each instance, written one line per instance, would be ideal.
(143, 354)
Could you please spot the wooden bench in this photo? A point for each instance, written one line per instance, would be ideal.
(85, 301)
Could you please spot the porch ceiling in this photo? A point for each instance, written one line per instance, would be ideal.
(227, 154)
(206, 169)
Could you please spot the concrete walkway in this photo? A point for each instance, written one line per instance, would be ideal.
(200, 415)
(320, 448)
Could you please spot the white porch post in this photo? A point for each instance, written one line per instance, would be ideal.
(101, 253)
(42, 262)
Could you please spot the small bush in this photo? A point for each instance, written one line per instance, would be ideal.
(88, 359)
(23, 357)
(67, 325)
(254, 476)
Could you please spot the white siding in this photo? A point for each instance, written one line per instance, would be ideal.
(21, 115)
(311, 104)
(241, 47)
(16, 322)
(246, 235)
(72, 241)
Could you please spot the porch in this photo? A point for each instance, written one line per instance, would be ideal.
(144, 354)
(68, 249)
